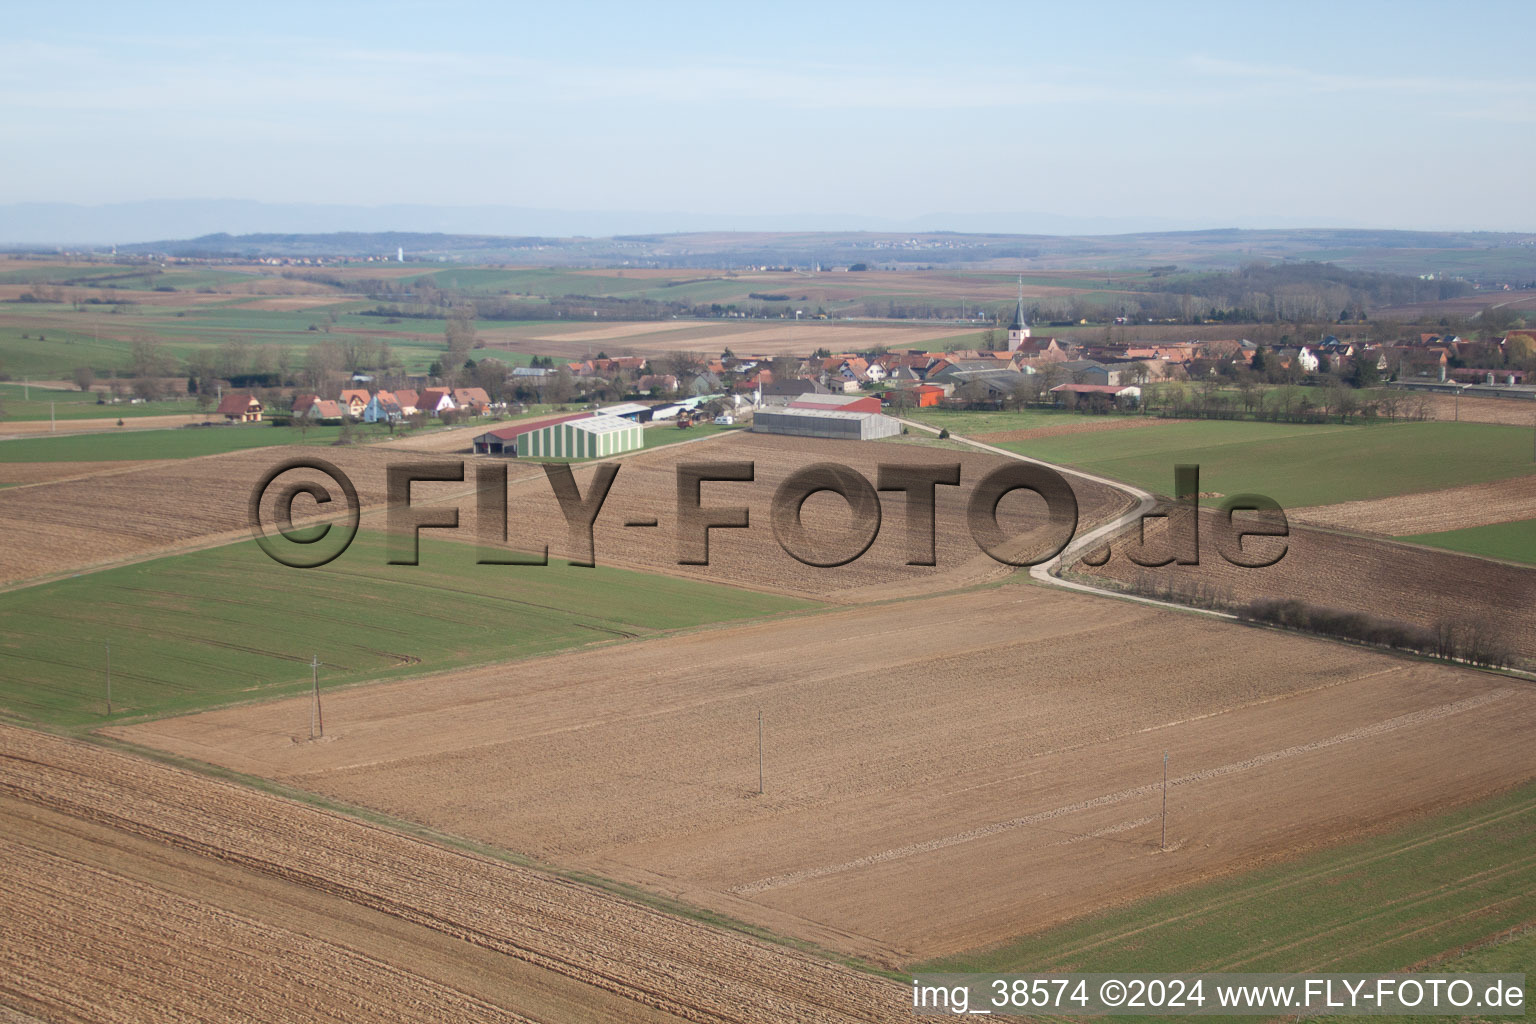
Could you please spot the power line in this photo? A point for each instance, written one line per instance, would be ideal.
(315, 715)
(1165, 801)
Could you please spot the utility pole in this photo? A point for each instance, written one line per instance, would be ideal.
(109, 678)
(759, 753)
(1164, 846)
(315, 715)
(52, 427)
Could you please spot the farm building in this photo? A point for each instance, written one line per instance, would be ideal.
(633, 411)
(589, 438)
(928, 395)
(578, 436)
(1122, 397)
(847, 403)
(503, 440)
(782, 392)
(833, 423)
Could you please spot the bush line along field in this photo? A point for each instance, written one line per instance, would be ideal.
(229, 623)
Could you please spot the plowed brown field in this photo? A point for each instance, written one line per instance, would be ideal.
(47, 472)
(85, 522)
(1369, 574)
(1455, 508)
(1512, 411)
(138, 892)
(78, 524)
(940, 773)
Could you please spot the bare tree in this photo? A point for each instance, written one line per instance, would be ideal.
(84, 377)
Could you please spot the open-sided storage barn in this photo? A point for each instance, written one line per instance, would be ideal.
(834, 423)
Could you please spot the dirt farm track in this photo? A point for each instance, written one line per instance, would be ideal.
(153, 893)
(941, 773)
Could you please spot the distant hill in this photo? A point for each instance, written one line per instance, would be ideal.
(556, 238)
(1484, 257)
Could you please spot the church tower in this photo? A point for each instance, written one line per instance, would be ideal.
(1019, 329)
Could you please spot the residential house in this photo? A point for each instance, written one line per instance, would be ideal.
(406, 399)
(474, 400)
(436, 401)
(651, 383)
(353, 401)
(240, 407)
(316, 409)
(383, 407)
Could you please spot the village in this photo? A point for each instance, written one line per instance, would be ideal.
(833, 394)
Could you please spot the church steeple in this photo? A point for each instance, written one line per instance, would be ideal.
(1019, 329)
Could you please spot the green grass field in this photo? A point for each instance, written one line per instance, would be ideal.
(1297, 464)
(970, 424)
(180, 443)
(1438, 887)
(230, 624)
(1513, 542)
(668, 433)
(30, 403)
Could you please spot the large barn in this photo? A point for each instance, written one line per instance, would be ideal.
(591, 437)
(503, 440)
(834, 423)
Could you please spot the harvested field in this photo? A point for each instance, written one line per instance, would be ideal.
(612, 331)
(1083, 425)
(1454, 508)
(141, 892)
(456, 439)
(48, 472)
(32, 428)
(940, 773)
(86, 522)
(1333, 570)
(1512, 412)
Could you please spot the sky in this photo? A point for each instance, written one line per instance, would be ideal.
(1234, 114)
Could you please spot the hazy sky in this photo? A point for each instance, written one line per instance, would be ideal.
(1225, 114)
